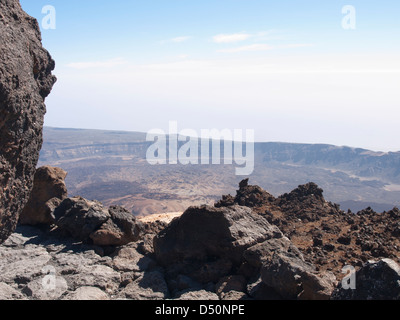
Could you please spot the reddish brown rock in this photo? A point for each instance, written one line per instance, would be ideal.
(49, 190)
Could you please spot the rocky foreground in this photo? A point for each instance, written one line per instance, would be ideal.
(251, 246)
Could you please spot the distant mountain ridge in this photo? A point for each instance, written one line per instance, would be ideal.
(111, 167)
(364, 163)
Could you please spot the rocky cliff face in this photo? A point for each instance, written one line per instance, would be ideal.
(25, 82)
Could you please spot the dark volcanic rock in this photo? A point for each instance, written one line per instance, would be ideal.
(247, 195)
(90, 221)
(327, 236)
(284, 270)
(206, 242)
(120, 230)
(79, 217)
(228, 284)
(49, 190)
(374, 281)
(258, 254)
(307, 203)
(25, 81)
(293, 278)
(304, 192)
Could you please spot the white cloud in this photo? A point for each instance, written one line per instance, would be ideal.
(243, 36)
(97, 64)
(177, 39)
(231, 38)
(252, 47)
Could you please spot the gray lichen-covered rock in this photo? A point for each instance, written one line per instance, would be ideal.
(87, 294)
(38, 266)
(25, 82)
(9, 293)
(128, 259)
(198, 295)
(149, 286)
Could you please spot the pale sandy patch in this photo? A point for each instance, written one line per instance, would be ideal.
(163, 217)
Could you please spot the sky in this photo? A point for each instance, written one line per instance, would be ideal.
(293, 71)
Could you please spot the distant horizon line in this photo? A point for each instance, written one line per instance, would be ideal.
(257, 142)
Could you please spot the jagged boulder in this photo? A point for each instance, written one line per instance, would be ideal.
(79, 217)
(90, 221)
(259, 253)
(121, 229)
(293, 278)
(374, 281)
(25, 82)
(49, 190)
(284, 269)
(207, 242)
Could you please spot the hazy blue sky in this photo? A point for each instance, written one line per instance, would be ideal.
(287, 69)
